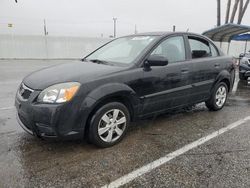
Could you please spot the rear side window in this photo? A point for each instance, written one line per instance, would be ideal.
(172, 48)
(201, 48)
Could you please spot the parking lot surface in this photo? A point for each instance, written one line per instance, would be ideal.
(223, 161)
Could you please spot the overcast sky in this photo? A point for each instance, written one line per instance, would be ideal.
(94, 17)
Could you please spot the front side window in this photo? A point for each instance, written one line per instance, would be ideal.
(172, 48)
(122, 50)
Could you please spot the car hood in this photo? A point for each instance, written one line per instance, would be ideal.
(71, 72)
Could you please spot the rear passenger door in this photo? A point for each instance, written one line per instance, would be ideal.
(206, 66)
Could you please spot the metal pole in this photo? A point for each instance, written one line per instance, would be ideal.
(12, 39)
(218, 13)
(135, 29)
(228, 11)
(235, 7)
(114, 19)
(228, 46)
(245, 47)
(174, 28)
(243, 10)
(240, 11)
(45, 38)
(45, 28)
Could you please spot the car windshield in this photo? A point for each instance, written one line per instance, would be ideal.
(122, 50)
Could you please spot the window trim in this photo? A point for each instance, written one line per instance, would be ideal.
(163, 39)
(187, 36)
(201, 41)
(216, 49)
(170, 39)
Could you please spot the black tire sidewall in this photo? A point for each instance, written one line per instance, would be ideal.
(93, 129)
(242, 77)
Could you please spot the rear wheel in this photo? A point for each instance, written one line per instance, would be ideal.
(109, 124)
(218, 97)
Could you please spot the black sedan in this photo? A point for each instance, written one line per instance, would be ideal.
(126, 79)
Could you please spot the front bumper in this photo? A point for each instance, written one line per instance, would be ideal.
(30, 131)
(57, 121)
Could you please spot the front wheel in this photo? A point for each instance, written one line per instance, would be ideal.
(109, 124)
(218, 97)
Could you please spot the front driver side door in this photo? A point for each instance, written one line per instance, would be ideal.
(168, 86)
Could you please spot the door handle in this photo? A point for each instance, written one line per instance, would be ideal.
(216, 65)
(184, 70)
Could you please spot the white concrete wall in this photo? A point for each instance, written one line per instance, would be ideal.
(235, 49)
(49, 47)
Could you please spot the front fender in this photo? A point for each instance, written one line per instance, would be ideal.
(111, 89)
(108, 91)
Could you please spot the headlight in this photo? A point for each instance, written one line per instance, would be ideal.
(59, 93)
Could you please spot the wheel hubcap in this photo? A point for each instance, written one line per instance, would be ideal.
(112, 125)
(221, 96)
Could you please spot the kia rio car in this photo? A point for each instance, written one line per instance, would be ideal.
(129, 78)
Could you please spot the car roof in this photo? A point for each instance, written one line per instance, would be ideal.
(157, 33)
(163, 33)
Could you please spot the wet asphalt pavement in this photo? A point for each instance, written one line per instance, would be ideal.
(224, 161)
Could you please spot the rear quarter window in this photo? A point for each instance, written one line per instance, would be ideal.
(201, 48)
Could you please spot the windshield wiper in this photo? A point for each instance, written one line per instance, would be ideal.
(98, 61)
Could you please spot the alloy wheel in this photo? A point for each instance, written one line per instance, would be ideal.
(221, 95)
(112, 125)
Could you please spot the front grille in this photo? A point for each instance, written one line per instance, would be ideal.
(25, 92)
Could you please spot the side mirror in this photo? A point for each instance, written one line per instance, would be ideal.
(241, 55)
(156, 60)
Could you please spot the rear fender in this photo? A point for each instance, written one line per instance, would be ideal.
(224, 75)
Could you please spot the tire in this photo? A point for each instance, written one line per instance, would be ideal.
(218, 97)
(242, 77)
(104, 131)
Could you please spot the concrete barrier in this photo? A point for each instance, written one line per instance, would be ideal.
(235, 49)
(55, 47)
(47, 47)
